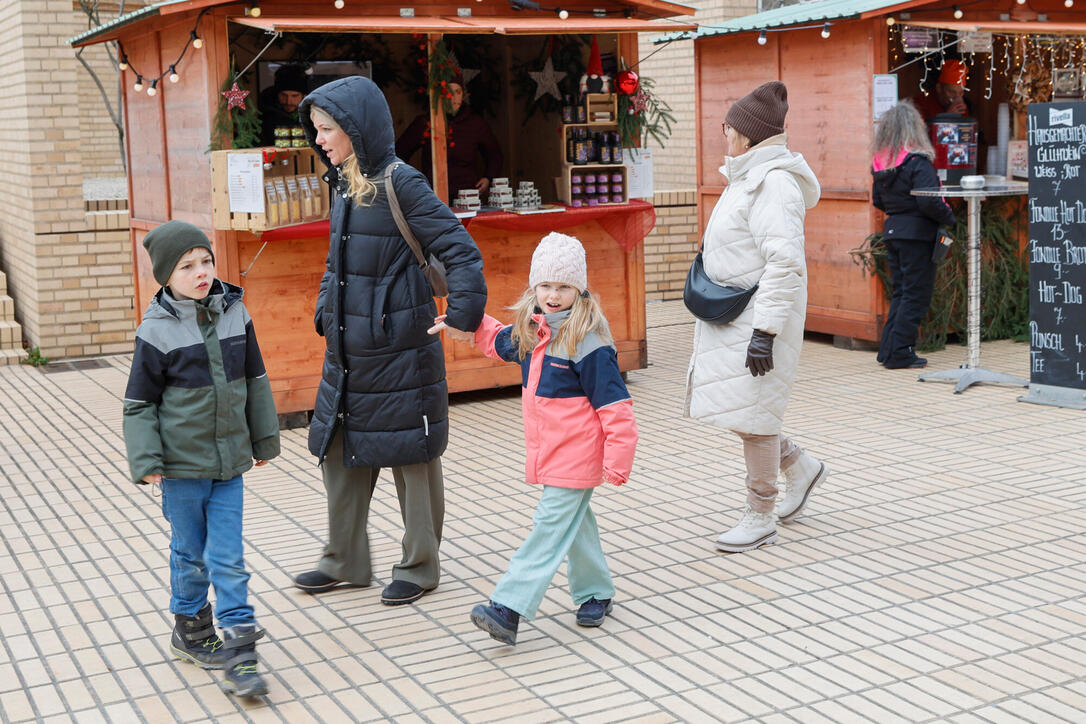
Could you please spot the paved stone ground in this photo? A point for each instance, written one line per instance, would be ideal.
(939, 575)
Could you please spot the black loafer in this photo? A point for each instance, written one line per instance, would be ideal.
(399, 592)
(315, 582)
(916, 363)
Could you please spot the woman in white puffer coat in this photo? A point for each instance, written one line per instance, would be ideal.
(741, 373)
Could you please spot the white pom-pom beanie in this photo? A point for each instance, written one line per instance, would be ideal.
(559, 258)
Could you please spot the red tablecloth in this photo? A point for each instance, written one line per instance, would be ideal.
(628, 224)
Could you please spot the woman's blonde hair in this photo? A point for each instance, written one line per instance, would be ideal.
(901, 129)
(361, 190)
(585, 316)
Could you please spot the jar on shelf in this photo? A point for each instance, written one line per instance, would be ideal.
(616, 178)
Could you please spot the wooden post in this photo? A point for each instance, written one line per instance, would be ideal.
(438, 142)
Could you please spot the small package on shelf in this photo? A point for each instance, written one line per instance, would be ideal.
(283, 200)
(294, 197)
(271, 204)
(308, 206)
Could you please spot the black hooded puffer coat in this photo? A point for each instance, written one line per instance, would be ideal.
(384, 376)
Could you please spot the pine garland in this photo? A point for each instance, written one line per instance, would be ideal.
(567, 55)
(644, 115)
(1004, 272)
(234, 127)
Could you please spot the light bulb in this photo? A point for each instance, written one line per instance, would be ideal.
(123, 65)
(563, 14)
(890, 20)
(338, 4)
(153, 89)
(253, 11)
(197, 41)
(174, 77)
(308, 69)
(958, 13)
(761, 38)
(1069, 3)
(139, 84)
(826, 30)
(1021, 2)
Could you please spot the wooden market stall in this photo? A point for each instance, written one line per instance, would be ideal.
(179, 55)
(827, 53)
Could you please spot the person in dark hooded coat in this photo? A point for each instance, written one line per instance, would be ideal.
(382, 400)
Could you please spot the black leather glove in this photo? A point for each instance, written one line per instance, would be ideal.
(760, 353)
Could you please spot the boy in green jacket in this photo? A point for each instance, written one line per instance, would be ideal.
(197, 411)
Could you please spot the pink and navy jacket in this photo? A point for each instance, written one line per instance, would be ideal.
(579, 427)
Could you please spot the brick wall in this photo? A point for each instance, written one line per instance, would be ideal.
(71, 284)
(100, 148)
(672, 244)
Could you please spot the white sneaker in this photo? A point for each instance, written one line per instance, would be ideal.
(800, 479)
(752, 530)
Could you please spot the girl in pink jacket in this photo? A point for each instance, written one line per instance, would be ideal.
(579, 430)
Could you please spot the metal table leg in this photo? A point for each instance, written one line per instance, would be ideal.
(971, 372)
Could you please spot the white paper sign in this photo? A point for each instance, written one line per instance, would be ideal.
(245, 182)
(972, 42)
(638, 163)
(883, 93)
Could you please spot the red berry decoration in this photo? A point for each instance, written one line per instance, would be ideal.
(627, 82)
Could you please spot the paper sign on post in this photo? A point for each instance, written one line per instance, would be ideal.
(638, 163)
(245, 182)
(883, 93)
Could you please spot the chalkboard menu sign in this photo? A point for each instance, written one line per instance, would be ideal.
(1057, 245)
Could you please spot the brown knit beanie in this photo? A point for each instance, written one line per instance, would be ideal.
(760, 114)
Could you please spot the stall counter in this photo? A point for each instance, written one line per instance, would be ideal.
(282, 268)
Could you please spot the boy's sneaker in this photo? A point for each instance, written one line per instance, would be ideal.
(242, 677)
(498, 621)
(593, 611)
(194, 640)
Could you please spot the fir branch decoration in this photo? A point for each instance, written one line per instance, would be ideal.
(1005, 273)
(234, 127)
(567, 55)
(643, 115)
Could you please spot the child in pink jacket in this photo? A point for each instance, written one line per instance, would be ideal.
(579, 429)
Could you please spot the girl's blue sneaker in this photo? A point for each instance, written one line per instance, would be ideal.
(592, 612)
(498, 621)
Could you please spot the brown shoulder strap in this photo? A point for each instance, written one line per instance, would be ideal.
(397, 214)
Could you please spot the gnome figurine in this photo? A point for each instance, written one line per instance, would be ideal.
(593, 80)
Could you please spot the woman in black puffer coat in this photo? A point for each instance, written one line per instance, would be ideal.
(902, 162)
(382, 401)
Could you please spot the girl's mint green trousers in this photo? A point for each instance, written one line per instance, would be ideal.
(563, 525)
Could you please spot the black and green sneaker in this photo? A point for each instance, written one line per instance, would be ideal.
(242, 677)
(194, 640)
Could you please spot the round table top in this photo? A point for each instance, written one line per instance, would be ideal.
(1002, 187)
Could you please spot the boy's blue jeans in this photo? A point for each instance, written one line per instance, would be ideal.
(206, 547)
(563, 525)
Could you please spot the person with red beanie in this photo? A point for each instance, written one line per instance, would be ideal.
(948, 94)
(741, 373)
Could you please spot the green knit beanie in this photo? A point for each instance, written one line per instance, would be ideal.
(169, 242)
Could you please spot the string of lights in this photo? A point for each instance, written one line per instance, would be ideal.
(1048, 51)
(194, 41)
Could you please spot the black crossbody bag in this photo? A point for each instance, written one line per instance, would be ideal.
(712, 302)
